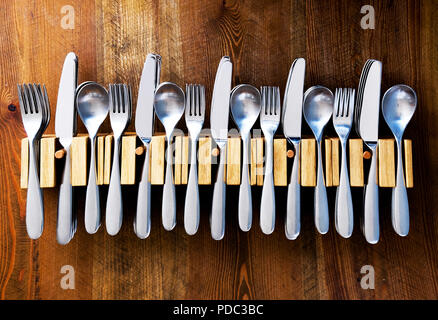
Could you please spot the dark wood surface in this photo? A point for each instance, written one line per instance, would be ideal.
(111, 39)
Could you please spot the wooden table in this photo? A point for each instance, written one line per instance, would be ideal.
(111, 40)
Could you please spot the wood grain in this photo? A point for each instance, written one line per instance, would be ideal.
(112, 39)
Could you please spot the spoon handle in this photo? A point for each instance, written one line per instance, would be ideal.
(65, 223)
(142, 221)
(267, 206)
(34, 203)
(400, 204)
(114, 204)
(168, 212)
(191, 207)
(92, 202)
(245, 199)
(320, 197)
(293, 219)
(370, 226)
(217, 217)
(344, 202)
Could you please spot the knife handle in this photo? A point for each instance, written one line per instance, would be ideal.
(293, 222)
(92, 202)
(114, 203)
(64, 228)
(245, 199)
(168, 210)
(217, 217)
(320, 197)
(267, 206)
(34, 202)
(370, 225)
(142, 221)
(400, 204)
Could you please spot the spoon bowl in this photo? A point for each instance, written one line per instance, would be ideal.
(398, 107)
(318, 108)
(92, 103)
(169, 104)
(245, 104)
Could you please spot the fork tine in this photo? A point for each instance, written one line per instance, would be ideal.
(126, 99)
(198, 100)
(23, 108)
(29, 98)
(193, 99)
(111, 97)
(202, 101)
(37, 98)
(187, 100)
(277, 101)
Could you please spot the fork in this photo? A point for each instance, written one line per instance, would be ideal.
(343, 121)
(194, 115)
(34, 111)
(120, 115)
(269, 121)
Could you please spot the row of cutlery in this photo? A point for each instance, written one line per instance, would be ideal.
(168, 102)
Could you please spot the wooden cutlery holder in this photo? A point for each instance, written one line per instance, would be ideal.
(131, 151)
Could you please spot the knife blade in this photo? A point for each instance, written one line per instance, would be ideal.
(220, 101)
(291, 121)
(144, 126)
(65, 127)
(220, 106)
(144, 114)
(369, 113)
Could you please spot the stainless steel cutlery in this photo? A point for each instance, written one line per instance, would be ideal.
(291, 122)
(120, 116)
(194, 116)
(144, 126)
(220, 106)
(65, 128)
(269, 121)
(343, 121)
(35, 113)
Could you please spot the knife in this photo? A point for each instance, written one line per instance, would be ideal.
(144, 125)
(369, 128)
(220, 107)
(291, 120)
(65, 127)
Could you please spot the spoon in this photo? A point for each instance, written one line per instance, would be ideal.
(398, 107)
(318, 108)
(169, 104)
(92, 103)
(245, 104)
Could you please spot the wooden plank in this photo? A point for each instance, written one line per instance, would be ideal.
(409, 171)
(100, 158)
(178, 160)
(259, 161)
(185, 160)
(335, 161)
(47, 162)
(157, 159)
(204, 161)
(108, 158)
(308, 162)
(280, 162)
(233, 161)
(79, 156)
(127, 164)
(328, 163)
(24, 175)
(356, 162)
(386, 163)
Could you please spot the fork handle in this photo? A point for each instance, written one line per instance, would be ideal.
(64, 228)
(114, 204)
(400, 204)
(370, 226)
(142, 221)
(34, 203)
(245, 199)
(344, 202)
(168, 211)
(217, 216)
(92, 202)
(191, 207)
(293, 211)
(320, 197)
(267, 206)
